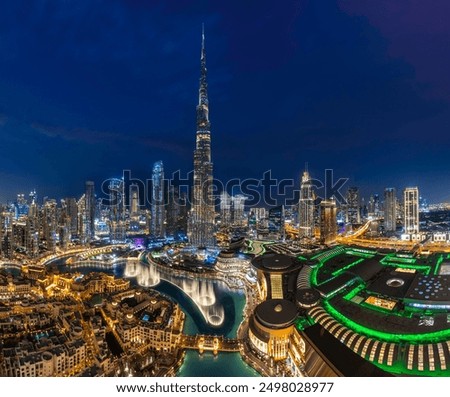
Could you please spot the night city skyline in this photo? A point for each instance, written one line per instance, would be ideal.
(92, 89)
(277, 208)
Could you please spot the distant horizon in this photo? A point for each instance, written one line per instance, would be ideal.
(284, 190)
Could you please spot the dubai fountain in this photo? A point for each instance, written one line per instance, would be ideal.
(201, 291)
(147, 274)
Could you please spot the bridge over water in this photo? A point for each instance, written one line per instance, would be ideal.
(212, 343)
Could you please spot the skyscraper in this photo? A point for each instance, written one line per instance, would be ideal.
(353, 214)
(238, 214)
(328, 225)
(134, 200)
(49, 224)
(374, 206)
(21, 206)
(276, 221)
(173, 211)
(158, 204)
(306, 207)
(33, 197)
(201, 222)
(90, 210)
(390, 209)
(411, 210)
(116, 208)
(225, 209)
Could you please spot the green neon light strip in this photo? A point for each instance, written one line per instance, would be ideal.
(392, 260)
(342, 287)
(386, 259)
(337, 272)
(395, 258)
(384, 336)
(313, 276)
(438, 265)
(326, 259)
(322, 261)
(359, 252)
(250, 246)
(350, 295)
(303, 322)
(317, 255)
(331, 253)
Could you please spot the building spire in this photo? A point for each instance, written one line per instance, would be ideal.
(201, 225)
(203, 38)
(202, 108)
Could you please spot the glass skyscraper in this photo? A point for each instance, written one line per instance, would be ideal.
(158, 204)
(201, 221)
(306, 208)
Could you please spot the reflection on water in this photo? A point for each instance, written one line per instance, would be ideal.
(201, 291)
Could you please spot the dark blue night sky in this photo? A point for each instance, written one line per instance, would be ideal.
(91, 87)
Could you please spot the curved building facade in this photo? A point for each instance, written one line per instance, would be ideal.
(271, 327)
(277, 275)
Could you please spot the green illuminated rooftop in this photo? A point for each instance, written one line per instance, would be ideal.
(390, 300)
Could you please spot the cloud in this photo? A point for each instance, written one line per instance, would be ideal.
(75, 134)
(94, 137)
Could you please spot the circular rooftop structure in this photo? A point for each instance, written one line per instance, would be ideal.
(395, 282)
(307, 297)
(227, 254)
(275, 263)
(276, 313)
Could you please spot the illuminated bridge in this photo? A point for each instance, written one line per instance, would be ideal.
(82, 252)
(211, 343)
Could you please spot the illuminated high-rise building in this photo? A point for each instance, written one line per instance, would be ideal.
(21, 206)
(306, 208)
(328, 224)
(158, 204)
(390, 209)
(89, 197)
(71, 208)
(411, 210)
(49, 224)
(276, 221)
(173, 211)
(238, 214)
(201, 222)
(134, 200)
(374, 206)
(353, 213)
(33, 197)
(116, 208)
(225, 209)
(32, 235)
